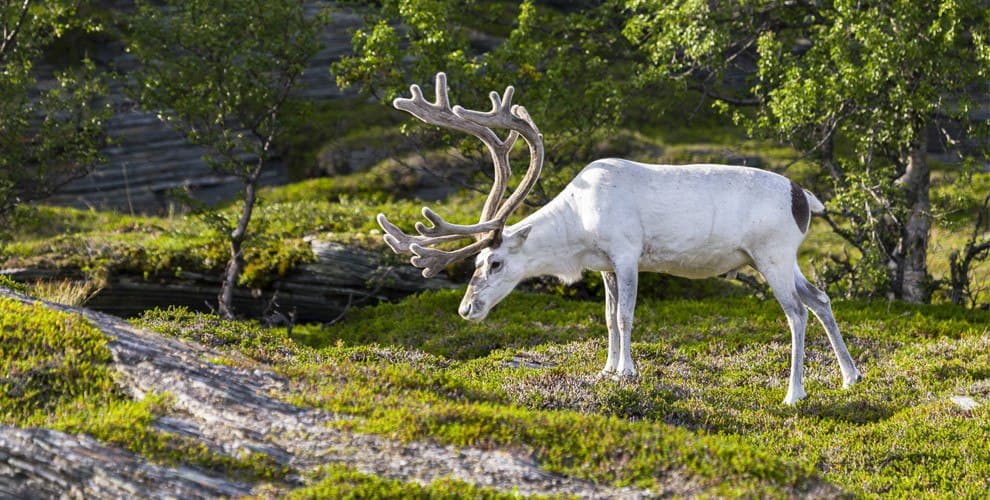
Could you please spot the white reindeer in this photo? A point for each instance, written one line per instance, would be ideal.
(621, 217)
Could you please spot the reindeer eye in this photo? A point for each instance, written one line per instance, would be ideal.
(496, 265)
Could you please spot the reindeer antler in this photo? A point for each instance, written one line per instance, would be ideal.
(495, 213)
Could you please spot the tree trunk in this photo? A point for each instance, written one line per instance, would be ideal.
(237, 237)
(828, 159)
(912, 282)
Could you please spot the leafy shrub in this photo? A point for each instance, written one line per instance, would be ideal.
(7, 282)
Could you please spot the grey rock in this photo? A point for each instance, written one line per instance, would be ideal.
(236, 409)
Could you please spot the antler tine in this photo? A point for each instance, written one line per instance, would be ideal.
(442, 227)
(518, 120)
(432, 261)
(493, 216)
(439, 112)
(440, 84)
(400, 242)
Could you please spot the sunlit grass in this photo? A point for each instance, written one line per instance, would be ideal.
(706, 406)
(66, 292)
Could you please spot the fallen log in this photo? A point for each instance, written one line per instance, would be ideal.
(340, 276)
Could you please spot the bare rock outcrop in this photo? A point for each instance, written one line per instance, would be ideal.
(147, 160)
(42, 463)
(235, 408)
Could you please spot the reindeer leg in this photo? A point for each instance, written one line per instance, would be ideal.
(627, 278)
(611, 321)
(821, 306)
(781, 279)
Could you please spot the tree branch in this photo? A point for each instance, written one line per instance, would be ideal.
(9, 38)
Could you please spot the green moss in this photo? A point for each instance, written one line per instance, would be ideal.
(55, 371)
(99, 243)
(49, 359)
(706, 410)
(129, 425)
(247, 337)
(715, 369)
(339, 481)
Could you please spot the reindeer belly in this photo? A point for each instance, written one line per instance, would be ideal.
(703, 263)
(699, 243)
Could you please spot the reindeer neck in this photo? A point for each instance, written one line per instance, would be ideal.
(552, 246)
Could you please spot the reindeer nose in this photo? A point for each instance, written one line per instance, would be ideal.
(473, 310)
(465, 309)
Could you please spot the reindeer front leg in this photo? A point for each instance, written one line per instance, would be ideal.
(612, 322)
(627, 277)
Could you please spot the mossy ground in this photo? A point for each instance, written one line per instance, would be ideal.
(706, 406)
(339, 481)
(55, 372)
(705, 413)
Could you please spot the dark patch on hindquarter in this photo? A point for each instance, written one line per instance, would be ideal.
(799, 207)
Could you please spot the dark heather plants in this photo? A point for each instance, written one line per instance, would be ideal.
(221, 73)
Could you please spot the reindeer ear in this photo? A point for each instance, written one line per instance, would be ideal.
(517, 238)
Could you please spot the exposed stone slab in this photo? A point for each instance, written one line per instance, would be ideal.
(237, 409)
(42, 463)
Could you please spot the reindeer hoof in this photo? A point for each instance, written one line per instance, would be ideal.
(848, 382)
(626, 373)
(794, 396)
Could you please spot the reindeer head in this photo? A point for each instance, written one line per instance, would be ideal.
(495, 274)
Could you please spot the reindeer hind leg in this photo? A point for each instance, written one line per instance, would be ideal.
(820, 305)
(627, 278)
(781, 280)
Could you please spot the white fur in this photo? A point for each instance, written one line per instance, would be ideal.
(619, 217)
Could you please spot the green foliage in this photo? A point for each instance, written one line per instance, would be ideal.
(957, 199)
(856, 85)
(7, 282)
(880, 83)
(874, 204)
(221, 72)
(567, 66)
(38, 156)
